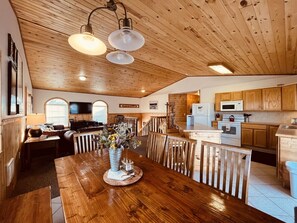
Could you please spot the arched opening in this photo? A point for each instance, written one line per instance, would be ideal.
(56, 111)
(99, 112)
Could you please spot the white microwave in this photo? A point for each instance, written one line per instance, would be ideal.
(232, 105)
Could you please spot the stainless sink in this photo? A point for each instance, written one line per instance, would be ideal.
(290, 127)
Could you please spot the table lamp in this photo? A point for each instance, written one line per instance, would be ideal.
(34, 120)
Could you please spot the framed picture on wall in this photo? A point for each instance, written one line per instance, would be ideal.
(12, 89)
(20, 83)
(153, 105)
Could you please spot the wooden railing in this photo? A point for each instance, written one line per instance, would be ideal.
(155, 124)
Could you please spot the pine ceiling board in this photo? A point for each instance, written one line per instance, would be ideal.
(220, 35)
(263, 17)
(291, 35)
(224, 17)
(230, 37)
(251, 20)
(182, 37)
(177, 37)
(277, 16)
(247, 37)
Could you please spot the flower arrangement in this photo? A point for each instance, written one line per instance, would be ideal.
(120, 136)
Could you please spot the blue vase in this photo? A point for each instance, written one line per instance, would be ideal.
(114, 158)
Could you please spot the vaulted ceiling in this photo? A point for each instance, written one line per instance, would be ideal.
(181, 38)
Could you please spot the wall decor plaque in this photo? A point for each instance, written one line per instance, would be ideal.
(129, 105)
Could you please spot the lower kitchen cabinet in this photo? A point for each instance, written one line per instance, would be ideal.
(247, 137)
(259, 137)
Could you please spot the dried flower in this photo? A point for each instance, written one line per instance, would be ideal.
(119, 137)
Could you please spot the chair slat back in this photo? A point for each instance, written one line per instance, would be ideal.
(84, 142)
(226, 168)
(156, 146)
(179, 155)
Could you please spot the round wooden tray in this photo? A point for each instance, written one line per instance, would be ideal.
(138, 174)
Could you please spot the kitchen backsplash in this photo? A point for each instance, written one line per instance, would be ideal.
(273, 117)
(267, 117)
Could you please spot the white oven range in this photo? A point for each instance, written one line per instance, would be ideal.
(231, 134)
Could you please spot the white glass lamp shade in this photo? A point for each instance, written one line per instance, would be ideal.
(87, 43)
(126, 39)
(119, 57)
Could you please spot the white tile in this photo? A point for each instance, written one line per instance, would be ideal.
(285, 218)
(266, 205)
(55, 207)
(272, 190)
(253, 192)
(286, 204)
(58, 217)
(57, 200)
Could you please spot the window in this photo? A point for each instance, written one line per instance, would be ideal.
(56, 111)
(100, 112)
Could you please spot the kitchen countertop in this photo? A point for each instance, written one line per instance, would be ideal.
(263, 123)
(196, 128)
(285, 132)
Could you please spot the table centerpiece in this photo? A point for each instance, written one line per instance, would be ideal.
(117, 139)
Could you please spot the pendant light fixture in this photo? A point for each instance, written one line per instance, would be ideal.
(119, 57)
(123, 39)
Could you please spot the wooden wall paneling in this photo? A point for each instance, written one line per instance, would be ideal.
(191, 98)
(13, 136)
(2, 178)
(180, 106)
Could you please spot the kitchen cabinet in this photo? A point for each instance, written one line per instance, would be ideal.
(252, 100)
(260, 137)
(272, 99)
(214, 124)
(246, 137)
(289, 97)
(226, 96)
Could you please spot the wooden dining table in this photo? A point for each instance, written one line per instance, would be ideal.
(160, 195)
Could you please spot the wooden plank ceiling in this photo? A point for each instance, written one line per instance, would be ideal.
(182, 37)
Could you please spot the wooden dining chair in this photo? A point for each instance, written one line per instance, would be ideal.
(156, 146)
(226, 168)
(84, 142)
(179, 155)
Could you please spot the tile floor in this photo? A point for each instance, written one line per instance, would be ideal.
(265, 194)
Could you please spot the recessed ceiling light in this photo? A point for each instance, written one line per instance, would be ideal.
(142, 91)
(82, 78)
(221, 68)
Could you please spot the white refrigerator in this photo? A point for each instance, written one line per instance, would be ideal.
(203, 113)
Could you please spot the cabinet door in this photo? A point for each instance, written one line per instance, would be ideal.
(272, 138)
(214, 124)
(247, 137)
(252, 100)
(260, 138)
(289, 98)
(218, 102)
(226, 96)
(272, 99)
(236, 95)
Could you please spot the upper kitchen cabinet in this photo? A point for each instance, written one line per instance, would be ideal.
(272, 99)
(289, 98)
(226, 96)
(252, 100)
